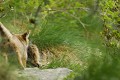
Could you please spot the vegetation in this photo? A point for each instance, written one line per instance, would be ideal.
(82, 35)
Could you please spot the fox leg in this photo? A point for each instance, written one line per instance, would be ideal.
(24, 62)
(24, 59)
(20, 60)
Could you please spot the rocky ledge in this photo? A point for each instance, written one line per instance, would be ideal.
(45, 74)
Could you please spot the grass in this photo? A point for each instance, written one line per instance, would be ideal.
(7, 71)
(82, 48)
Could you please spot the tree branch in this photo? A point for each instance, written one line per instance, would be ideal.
(66, 9)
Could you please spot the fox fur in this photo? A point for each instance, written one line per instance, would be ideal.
(18, 42)
(34, 55)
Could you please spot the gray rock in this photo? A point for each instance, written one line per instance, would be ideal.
(45, 74)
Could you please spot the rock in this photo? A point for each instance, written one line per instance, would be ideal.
(45, 74)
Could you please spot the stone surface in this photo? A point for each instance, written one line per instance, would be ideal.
(45, 74)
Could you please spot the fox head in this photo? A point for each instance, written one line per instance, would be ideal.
(24, 37)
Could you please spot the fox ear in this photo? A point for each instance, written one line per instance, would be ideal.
(26, 35)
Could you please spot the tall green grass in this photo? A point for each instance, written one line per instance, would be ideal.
(94, 61)
(7, 70)
(62, 30)
(106, 68)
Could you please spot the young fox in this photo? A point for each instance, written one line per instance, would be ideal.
(18, 42)
(34, 55)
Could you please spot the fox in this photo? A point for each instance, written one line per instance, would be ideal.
(18, 42)
(34, 55)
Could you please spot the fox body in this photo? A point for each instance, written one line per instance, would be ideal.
(18, 42)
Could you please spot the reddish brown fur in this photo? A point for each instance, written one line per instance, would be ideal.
(34, 55)
(19, 43)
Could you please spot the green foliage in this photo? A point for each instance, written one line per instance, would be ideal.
(102, 69)
(56, 32)
(59, 28)
(110, 17)
(7, 71)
